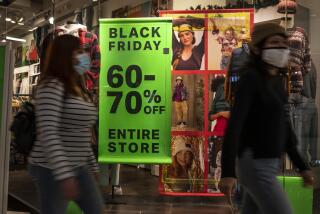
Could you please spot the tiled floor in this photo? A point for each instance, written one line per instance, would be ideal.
(155, 207)
(140, 191)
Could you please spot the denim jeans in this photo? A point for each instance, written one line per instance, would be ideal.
(263, 194)
(304, 119)
(108, 171)
(51, 197)
(310, 83)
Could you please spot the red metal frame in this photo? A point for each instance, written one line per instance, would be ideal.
(192, 194)
(162, 12)
(205, 72)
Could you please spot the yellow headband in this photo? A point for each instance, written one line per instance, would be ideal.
(185, 27)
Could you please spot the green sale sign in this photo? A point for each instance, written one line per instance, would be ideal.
(135, 90)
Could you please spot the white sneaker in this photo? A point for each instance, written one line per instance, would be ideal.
(183, 124)
(118, 190)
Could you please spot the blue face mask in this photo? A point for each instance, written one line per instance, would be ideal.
(83, 63)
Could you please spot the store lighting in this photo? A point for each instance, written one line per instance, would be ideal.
(51, 20)
(3, 40)
(15, 39)
(21, 19)
(8, 19)
(13, 22)
(20, 23)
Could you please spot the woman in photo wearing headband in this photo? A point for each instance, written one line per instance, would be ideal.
(187, 55)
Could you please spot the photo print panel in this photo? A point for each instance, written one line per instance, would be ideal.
(186, 174)
(226, 32)
(187, 102)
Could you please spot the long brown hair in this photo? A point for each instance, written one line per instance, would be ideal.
(46, 43)
(59, 63)
(178, 56)
(176, 170)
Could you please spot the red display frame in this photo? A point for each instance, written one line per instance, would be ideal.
(206, 74)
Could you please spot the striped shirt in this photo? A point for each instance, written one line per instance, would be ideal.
(63, 131)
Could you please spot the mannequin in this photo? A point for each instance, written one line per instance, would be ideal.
(239, 58)
(302, 105)
(300, 56)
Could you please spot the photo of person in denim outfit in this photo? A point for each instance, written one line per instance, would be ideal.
(224, 35)
(228, 42)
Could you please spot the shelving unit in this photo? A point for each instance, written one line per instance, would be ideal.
(31, 72)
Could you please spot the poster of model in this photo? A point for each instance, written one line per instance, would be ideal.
(202, 44)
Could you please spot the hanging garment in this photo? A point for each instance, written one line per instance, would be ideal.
(310, 83)
(90, 44)
(24, 87)
(300, 57)
(304, 119)
(239, 58)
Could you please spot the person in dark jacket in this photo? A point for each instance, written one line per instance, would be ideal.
(259, 130)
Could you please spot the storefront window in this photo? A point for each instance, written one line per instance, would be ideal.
(210, 45)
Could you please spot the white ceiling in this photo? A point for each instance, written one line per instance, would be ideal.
(34, 13)
(20, 9)
(28, 9)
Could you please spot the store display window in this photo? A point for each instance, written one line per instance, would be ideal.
(203, 42)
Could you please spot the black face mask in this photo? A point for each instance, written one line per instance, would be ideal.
(216, 82)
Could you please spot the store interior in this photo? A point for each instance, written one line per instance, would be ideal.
(133, 188)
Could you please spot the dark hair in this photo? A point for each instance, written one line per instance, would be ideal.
(193, 39)
(59, 62)
(47, 41)
(176, 169)
(178, 56)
